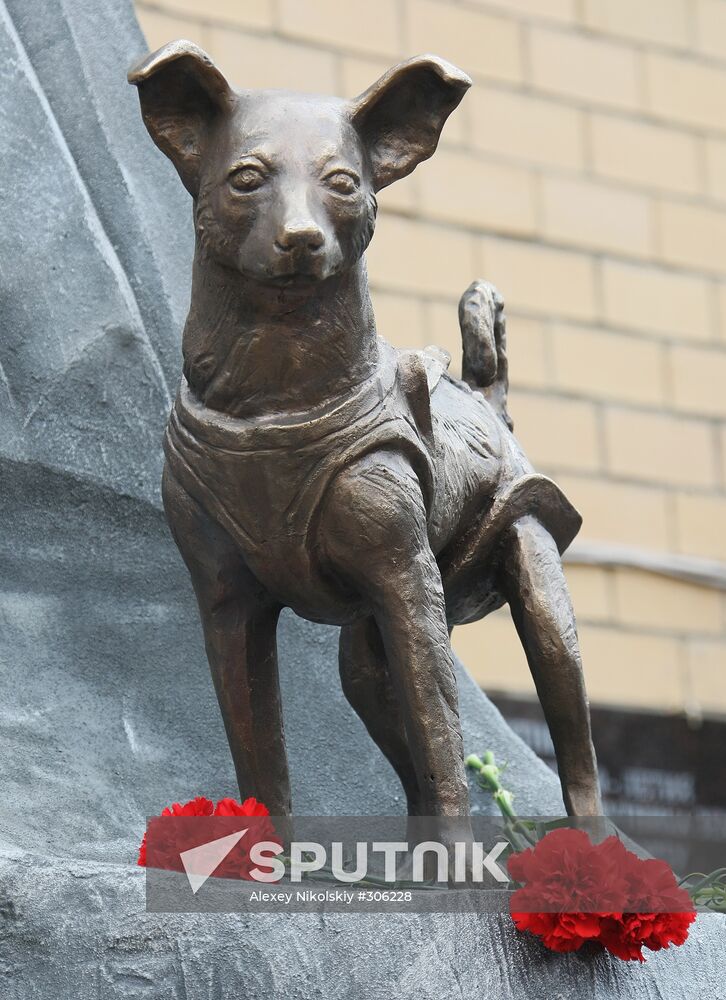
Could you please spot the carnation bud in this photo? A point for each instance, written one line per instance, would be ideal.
(503, 799)
(491, 773)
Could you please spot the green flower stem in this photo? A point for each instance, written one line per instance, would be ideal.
(709, 890)
(488, 775)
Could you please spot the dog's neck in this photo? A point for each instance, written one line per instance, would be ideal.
(252, 350)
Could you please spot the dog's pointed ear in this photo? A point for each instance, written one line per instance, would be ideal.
(182, 94)
(401, 116)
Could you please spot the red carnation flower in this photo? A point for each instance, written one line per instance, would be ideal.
(564, 872)
(250, 807)
(560, 931)
(658, 912)
(237, 864)
(575, 891)
(196, 807)
(168, 843)
(626, 938)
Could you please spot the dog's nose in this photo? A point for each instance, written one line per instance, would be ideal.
(296, 236)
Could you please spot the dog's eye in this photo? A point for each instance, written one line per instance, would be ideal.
(247, 178)
(342, 182)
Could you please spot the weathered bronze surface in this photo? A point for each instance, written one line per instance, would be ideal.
(310, 465)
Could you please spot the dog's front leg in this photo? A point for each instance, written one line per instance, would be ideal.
(373, 532)
(240, 626)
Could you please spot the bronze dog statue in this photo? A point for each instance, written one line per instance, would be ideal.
(311, 465)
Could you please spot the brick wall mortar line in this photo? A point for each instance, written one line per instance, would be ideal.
(672, 531)
(692, 20)
(537, 185)
(276, 17)
(586, 132)
(579, 28)
(702, 167)
(650, 632)
(329, 47)
(610, 594)
(254, 32)
(642, 116)
(718, 322)
(617, 479)
(401, 36)
(656, 227)
(405, 30)
(719, 458)
(586, 32)
(614, 624)
(598, 326)
(525, 54)
(706, 420)
(338, 73)
(598, 283)
(642, 78)
(187, 18)
(631, 333)
(666, 363)
(700, 200)
(548, 318)
(550, 366)
(603, 457)
(559, 245)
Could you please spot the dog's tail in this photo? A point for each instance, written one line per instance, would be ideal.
(484, 342)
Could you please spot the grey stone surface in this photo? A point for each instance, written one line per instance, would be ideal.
(92, 252)
(78, 50)
(106, 709)
(81, 931)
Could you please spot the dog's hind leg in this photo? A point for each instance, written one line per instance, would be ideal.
(240, 626)
(369, 689)
(534, 584)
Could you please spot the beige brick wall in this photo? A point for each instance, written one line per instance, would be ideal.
(585, 174)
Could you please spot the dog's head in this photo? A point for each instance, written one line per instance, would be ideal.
(285, 184)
